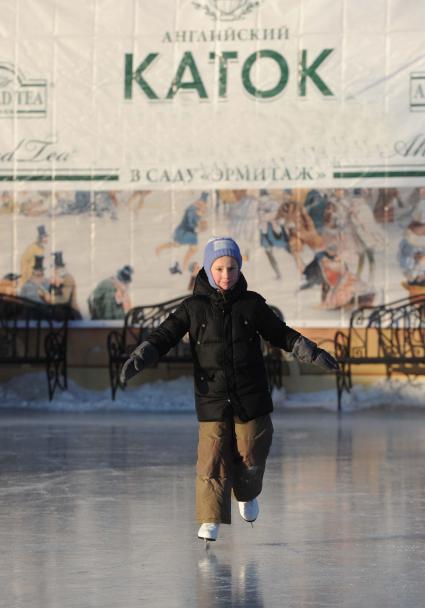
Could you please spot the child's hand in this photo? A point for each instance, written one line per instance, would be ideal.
(145, 354)
(129, 370)
(308, 352)
(325, 360)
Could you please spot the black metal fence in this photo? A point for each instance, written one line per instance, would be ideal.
(392, 335)
(36, 334)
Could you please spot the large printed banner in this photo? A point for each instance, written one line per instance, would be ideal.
(133, 131)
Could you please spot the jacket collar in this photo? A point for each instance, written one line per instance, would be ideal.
(203, 288)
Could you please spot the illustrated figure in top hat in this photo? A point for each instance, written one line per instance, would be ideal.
(37, 248)
(9, 284)
(37, 286)
(187, 231)
(111, 299)
(63, 288)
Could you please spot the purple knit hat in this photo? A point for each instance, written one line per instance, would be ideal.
(217, 247)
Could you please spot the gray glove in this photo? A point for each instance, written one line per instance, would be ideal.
(143, 356)
(307, 351)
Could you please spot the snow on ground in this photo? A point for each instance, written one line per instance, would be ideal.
(387, 394)
(29, 392)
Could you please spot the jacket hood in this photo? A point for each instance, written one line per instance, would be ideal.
(203, 288)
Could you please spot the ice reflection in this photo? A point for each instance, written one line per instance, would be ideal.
(221, 584)
(98, 511)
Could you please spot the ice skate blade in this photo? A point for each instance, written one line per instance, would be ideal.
(207, 542)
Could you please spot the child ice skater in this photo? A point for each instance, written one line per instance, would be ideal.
(233, 403)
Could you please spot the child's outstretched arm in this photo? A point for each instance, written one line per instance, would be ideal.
(281, 335)
(159, 342)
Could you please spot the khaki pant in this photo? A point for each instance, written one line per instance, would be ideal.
(231, 456)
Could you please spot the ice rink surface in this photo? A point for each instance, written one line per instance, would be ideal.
(97, 511)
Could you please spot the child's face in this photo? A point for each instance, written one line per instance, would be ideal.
(225, 272)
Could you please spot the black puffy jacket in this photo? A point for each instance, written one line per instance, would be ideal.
(224, 330)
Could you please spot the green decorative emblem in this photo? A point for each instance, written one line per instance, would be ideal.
(417, 92)
(20, 96)
(227, 10)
